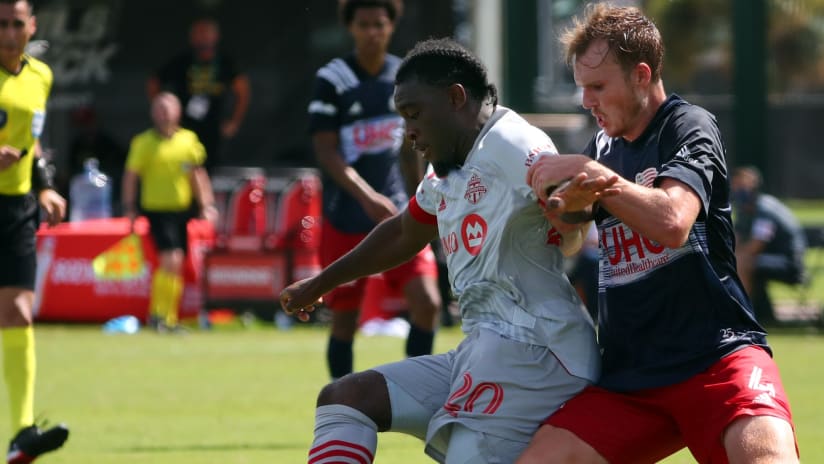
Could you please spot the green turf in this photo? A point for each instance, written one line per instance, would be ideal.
(247, 396)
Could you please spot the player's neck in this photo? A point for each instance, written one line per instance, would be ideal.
(12, 66)
(485, 110)
(166, 131)
(372, 63)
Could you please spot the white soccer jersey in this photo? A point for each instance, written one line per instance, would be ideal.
(504, 263)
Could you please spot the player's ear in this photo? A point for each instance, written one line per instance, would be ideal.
(642, 74)
(457, 95)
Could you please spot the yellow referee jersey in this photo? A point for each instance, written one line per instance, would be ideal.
(164, 166)
(22, 116)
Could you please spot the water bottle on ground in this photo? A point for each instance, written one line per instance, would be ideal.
(90, 193)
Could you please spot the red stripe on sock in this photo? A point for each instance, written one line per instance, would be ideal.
(314, 457)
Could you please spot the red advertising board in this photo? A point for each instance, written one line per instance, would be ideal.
(67, 288)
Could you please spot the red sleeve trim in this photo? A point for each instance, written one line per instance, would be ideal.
(420, 215)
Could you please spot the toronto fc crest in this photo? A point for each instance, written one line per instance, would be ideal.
(475, 190)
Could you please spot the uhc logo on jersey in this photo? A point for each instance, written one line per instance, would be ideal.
(4, 118)
(375, 135)
(473, 233)
(628, 256)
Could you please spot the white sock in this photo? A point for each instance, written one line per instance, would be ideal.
(343, 435)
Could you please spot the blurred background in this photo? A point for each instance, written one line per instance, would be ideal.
(756, 64)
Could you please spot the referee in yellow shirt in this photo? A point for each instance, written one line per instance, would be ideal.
(24, 180)
(168, 161)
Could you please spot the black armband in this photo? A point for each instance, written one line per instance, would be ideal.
(42, 175)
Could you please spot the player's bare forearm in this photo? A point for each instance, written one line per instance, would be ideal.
(128, 192)
(390, 244)
(331, 161)
(202, 187)
(664, 214)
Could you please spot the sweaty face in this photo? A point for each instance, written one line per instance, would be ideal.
(371, 30)
(431, 123)
(17, 25)
(608, 92)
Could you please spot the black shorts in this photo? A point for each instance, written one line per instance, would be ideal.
(168, 229)
(18, 226)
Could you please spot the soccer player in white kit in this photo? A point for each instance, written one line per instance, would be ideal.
(529, 345)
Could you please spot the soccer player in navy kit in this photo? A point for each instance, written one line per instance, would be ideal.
(358, 137)
(683, 360)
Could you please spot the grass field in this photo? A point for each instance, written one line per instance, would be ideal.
(246, 396)
(237, 395)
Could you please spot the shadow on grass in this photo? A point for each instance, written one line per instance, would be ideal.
(212, 447)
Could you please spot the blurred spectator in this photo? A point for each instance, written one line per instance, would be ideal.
(92, 141)
(202, 77)
(167, 160)
(770, 243)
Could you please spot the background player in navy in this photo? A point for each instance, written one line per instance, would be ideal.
(684, 361)
(25, 181)
(358, 139)
(770, 241)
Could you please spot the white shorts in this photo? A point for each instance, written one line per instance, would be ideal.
(494, 386)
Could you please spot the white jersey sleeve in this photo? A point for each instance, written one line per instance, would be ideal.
(539, 144)
(425, 196)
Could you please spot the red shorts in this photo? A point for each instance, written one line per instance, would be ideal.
(349, 297)
(647, 425)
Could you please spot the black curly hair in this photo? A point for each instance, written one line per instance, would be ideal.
(348, 8)
(443, 62)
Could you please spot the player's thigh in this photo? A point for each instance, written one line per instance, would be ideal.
(467, 446)
(741, 385)
(349, 296)
(18, 227)
(619, 428)
(503, 388)
(418, 387)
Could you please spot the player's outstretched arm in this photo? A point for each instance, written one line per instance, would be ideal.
(390, 244)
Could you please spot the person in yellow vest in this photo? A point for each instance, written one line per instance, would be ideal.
(168, 161)
(25, 180)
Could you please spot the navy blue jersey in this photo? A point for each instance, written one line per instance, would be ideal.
(667, 314)
(360, 108)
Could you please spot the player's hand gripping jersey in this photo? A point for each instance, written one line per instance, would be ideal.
(504, 262)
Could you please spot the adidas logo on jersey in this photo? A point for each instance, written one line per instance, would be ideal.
(764, 398)
(355, 109)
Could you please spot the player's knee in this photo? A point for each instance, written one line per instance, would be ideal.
(16, 308)
(351, 390)
(760, 439)
(424, 303)
(552, 445)
(365, 391)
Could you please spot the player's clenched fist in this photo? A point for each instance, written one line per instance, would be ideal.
(300, 298)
